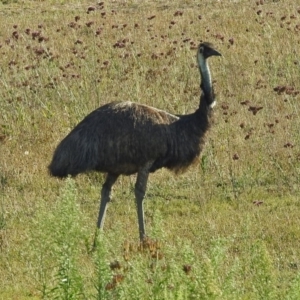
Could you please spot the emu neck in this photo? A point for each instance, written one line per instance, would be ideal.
(206, 84)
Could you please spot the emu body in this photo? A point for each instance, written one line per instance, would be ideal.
(123, 138)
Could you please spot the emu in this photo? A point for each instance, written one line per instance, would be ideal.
(124, 138)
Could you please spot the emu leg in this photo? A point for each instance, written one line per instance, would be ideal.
(140, 190)
(105, 198)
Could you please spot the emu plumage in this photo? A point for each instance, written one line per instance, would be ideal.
(123, 138)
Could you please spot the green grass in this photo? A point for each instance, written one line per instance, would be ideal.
(228, 228)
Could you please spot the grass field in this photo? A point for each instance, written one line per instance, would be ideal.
(228, 228)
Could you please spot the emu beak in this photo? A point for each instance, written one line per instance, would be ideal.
(213, 52)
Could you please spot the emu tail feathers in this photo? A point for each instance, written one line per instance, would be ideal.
(59, 165)
(74, 155)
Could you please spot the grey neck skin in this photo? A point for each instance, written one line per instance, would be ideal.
(206, 83)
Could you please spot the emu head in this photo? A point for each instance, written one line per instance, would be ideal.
(205, 50)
